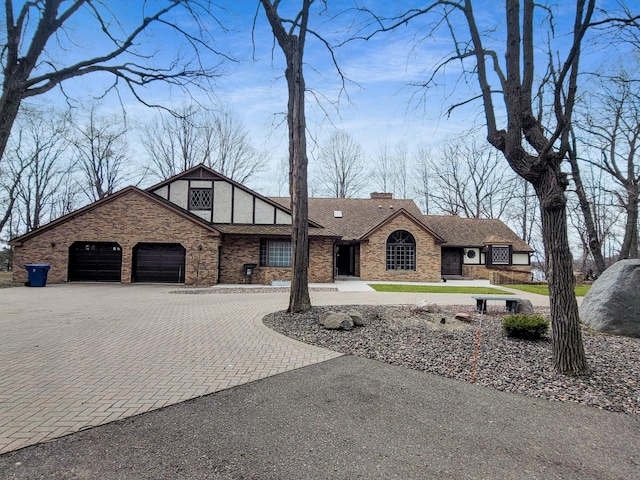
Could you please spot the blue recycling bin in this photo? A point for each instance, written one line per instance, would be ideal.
(37, 273)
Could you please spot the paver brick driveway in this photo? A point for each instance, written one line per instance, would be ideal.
(75, 356)
(78, 355)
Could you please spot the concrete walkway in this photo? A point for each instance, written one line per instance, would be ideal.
(81, 355)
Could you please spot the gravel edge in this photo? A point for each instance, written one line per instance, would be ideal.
(404, 336)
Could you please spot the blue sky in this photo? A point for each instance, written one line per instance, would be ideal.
(375, 107)
(378, 106)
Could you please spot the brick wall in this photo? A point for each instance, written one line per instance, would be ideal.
(373, 254)
(238, 250)
(321, 260)
(506, 277)
(128, 219)
(516, 273)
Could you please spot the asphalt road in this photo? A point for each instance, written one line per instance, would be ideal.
(347, 418)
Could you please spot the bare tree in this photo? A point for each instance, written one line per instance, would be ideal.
(401, 171)
(233, 154)
(615, 133)
(341, 166)
(176, 142)
(67, 196)
(383, 174)
(278, 178)
(100, 149)
(523, 211)
(423, 184)
(181, 140)
(291, 35)
(11, 173)
(36, 35)
(606, 215)
(534, 144)
(391, 173)
(592, 241)
(41, 146)
(470, 179)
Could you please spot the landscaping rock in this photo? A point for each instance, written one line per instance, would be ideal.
(427, 307)
(612, 305)
(463, 317)
(323, 316)
(525, 307)
(357, 318)
(335, 321)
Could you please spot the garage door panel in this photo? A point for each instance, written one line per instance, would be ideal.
(159, 263)
(95, 262)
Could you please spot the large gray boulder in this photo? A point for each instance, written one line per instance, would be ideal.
(612, 305)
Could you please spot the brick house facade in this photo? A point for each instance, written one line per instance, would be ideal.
(373, 252)
(201, 228)
(127, 218)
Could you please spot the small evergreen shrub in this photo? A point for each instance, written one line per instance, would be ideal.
(529, 327)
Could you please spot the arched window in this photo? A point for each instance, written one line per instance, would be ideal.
(401, 251)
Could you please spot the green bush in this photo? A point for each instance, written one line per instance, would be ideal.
(530, 327)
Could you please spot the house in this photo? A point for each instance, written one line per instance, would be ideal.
(480, 248)
(202, 228)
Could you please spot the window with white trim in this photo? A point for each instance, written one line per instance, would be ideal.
(275, 253)
(401, 251)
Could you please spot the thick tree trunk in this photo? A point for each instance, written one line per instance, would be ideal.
(299, 299)
(568, 350)
(630, 242)
(293, 48)
(9, 107)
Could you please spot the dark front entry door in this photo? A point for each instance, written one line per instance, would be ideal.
(158, 263)
(95, 262)
(451, 261)
(346, 260)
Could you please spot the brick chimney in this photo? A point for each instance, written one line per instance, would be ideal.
(381, 196)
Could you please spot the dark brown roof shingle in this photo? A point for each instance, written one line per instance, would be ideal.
(270, 230)
(359, 215)
(474, 232)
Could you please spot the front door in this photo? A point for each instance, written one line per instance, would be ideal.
(451, 261)
(346, 260)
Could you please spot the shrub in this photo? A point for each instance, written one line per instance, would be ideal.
(530, 327)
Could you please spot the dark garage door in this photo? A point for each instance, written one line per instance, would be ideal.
(95, 262)
(158, 263)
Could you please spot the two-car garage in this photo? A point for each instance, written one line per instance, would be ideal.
(102, 262)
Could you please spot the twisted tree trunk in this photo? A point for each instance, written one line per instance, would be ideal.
(567, 345)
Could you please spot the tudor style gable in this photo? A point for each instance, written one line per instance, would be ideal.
(220, 200)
